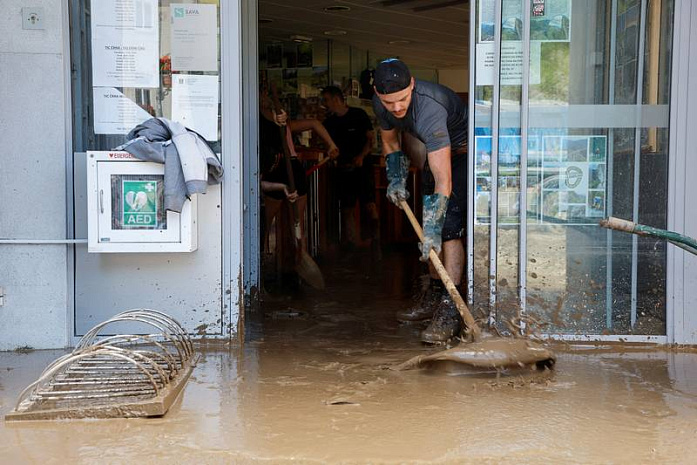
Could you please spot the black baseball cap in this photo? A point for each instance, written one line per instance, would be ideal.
(391, 76)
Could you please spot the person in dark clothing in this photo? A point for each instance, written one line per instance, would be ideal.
(353, 133)
(437, 117)
(274, 174)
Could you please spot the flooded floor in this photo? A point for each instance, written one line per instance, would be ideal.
(313, 385)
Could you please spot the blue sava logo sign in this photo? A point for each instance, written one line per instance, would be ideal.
(182, 12)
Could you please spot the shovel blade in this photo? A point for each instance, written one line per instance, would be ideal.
(309, 271)
(490, 353)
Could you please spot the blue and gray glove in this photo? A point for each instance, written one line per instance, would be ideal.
(435, 207)
(397, 170)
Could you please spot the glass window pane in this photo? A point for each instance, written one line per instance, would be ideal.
(144, 59)
(582, 279)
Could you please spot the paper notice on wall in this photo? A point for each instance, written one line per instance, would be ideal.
(194, 37)
(195, 103)
(114, 113)
(125, 43)
(511, 63)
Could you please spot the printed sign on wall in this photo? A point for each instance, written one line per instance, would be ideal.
(125, 43)
(194, 37)
(139, 204)
(115, 113)
(195, 103)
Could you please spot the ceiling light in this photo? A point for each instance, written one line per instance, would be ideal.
(399, 42)
(301, 39)
(335, 32)
(335, 8)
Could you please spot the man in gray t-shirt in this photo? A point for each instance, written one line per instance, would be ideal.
(437, 117)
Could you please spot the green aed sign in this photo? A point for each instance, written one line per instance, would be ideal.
(139, 204)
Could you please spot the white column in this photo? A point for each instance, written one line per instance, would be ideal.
(682, 210)
(232, 155)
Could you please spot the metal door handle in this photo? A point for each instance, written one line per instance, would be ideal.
(101, 200)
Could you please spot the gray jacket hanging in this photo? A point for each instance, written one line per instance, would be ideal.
(190, 164)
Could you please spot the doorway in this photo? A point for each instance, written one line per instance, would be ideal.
(305, 48)
(569, 104)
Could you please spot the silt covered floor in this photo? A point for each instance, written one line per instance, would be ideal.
(313, 385)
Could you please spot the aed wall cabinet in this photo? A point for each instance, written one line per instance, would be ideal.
(125, 201)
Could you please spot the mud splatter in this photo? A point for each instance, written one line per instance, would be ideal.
(301, 392)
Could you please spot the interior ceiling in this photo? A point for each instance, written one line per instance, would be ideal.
(437, 30)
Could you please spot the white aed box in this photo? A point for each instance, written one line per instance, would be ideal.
(126, 208)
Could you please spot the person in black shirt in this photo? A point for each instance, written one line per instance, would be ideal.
(437, 117)
(353, 133)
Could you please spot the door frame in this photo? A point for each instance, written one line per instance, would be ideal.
(252, 205)
(681, 321)
(232, 69)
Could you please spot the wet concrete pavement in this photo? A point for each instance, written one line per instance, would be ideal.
(313, 385)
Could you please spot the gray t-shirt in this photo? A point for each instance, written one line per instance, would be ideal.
(436, 116)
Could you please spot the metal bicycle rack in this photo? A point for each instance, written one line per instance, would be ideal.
(113, 376)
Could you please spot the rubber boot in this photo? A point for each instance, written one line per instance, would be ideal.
(446, 323)
(424, 308)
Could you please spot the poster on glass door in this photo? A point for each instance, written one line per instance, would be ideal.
(574, 179)
(125, 43)
(508, 179)
(550, 21)
(511, 71)
(195, 100)
(194, 37)
(566, 179)
(114, 112)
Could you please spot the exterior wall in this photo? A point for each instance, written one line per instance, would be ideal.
(186, 286)
(683, 171)
(35, 128)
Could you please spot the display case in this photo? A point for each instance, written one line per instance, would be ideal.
(126, 211)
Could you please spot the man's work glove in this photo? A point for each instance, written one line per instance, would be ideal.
(397, 170)
(435, 207)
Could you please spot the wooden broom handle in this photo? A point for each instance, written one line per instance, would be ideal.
(444, 276)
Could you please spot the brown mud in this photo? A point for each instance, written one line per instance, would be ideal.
(313, 385)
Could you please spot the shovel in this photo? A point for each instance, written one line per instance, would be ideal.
(305, 266)
(482, 352)
(678, 240)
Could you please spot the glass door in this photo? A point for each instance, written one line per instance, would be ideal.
(570, 102)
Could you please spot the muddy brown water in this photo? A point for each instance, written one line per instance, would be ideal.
(313, 385)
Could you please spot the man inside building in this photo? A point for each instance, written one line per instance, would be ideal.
(437, 117)
(352, 131)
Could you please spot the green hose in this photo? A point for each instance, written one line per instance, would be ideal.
(686, 243)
